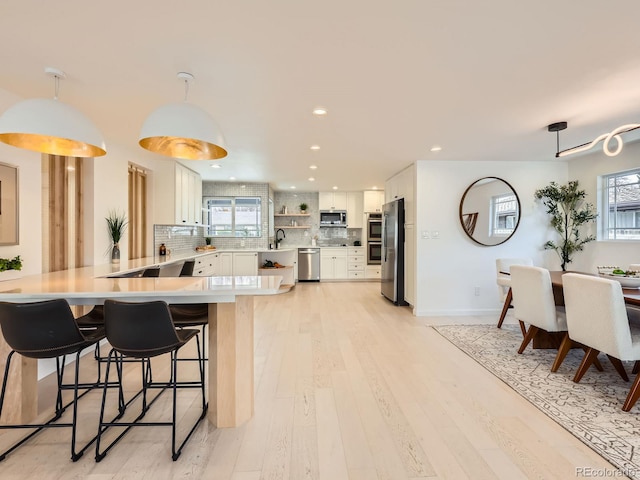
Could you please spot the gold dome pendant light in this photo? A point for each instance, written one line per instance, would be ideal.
(50, 126)
(182, 130)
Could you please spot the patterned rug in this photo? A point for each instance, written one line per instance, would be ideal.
(591, 410)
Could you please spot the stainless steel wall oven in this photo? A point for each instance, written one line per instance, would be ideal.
(374, 227)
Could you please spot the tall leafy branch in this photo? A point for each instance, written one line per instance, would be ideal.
(569, 213)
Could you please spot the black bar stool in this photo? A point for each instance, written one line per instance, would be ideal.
(47, 330)
(142, 331)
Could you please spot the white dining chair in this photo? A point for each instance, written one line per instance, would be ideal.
(597, 318)
(533, 304)
(503, 279)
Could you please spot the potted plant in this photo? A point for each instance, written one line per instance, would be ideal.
(116, 225)
(569, 213)
(303, 207)
(10, 268)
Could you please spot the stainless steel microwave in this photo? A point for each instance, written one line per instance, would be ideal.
(333, 218)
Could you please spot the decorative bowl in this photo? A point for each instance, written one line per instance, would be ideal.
(627, 281)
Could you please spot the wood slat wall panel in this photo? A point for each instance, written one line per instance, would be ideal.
(137, 212)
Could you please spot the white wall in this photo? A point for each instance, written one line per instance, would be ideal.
(451, 267)
(29, 200)
(586, 169)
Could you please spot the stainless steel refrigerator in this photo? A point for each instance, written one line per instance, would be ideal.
(392, 272)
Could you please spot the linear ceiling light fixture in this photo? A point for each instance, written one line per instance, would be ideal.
(182, 130)
(50, 126)
(605, 138)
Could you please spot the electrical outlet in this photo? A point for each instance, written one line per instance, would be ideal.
(242, 243)
(476, 291)
(435, 234)
(425, 234)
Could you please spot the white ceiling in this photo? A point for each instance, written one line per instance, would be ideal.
(480, 78)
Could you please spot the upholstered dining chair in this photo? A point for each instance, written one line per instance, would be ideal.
(503, 266)
(41, 330)
(534, 304)
(597, 318)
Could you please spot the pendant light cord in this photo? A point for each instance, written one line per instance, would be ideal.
(186, 89)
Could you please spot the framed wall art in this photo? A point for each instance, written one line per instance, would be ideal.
(8, 204)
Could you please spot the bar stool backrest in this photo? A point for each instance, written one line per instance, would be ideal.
(141, 330)
(40, 329)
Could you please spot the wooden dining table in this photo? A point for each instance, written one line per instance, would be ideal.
(631, 295)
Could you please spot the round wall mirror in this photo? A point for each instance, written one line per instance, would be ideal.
(490, 211)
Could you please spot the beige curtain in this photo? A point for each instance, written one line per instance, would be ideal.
(137, 212)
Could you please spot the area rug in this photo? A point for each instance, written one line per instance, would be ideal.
(590, 410)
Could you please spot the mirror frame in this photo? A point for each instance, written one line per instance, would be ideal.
(462, 222)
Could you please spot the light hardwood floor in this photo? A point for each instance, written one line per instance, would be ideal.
(348, 386)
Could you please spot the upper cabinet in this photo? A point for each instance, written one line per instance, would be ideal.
(373, 201)
(351, 202)
(354, 210)
(401, 185)
(332, 200)
(188, 199)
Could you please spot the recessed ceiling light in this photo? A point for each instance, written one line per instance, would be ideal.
(319, 111)
(313, 167)
(436, 148)
(335, 187)
(292, 187)
(374, 188)
(311, 179)
(216, 165)
(232, 178)
(315, 147)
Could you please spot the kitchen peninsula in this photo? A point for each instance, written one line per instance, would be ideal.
(230, 330)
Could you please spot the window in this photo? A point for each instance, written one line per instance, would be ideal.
(504, 214)
(621, 206)
(233, 216)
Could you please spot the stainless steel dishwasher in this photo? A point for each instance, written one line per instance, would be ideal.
(308, 264)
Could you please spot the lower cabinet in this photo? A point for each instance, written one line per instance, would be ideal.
(356, 262)
(245, 263)
(225, 264)
(206, 265)
(333, 264)
(372, 271)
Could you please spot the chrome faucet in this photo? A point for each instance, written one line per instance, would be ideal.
(278, 240)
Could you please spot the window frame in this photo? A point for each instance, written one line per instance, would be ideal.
(235, 230)
(604, 210)
(496, 200)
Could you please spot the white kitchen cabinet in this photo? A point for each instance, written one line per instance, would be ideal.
(355, 210)
(333, 264)
(332, 201)
(206, 265)
(373, 201)
(372, 271)
(188, 196)
(245, 263)
(402, 185)
(225, 264)
(356, 262)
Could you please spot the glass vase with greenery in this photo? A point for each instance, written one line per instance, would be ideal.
(569, 213)
(116, 225)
